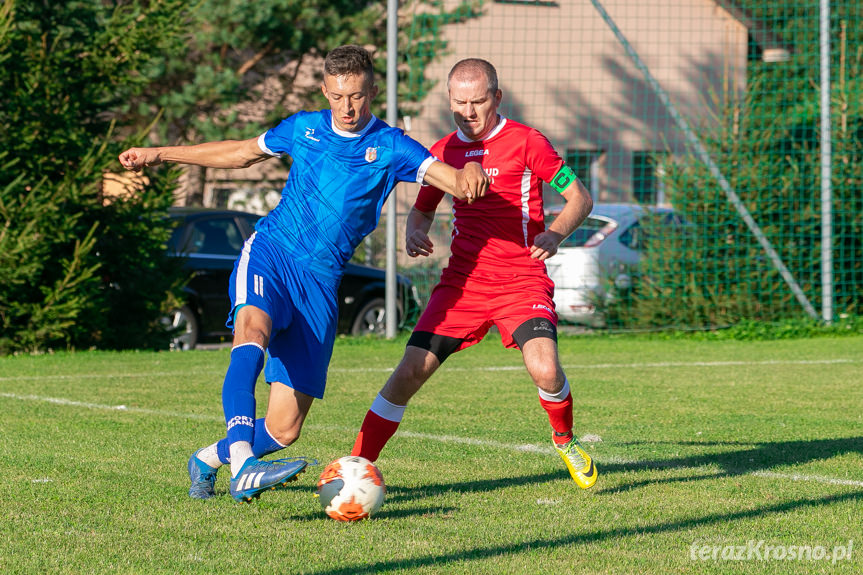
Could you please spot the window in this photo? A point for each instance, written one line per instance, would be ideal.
(631, 238)
(250, 222)
(590, 233)
(217, 237)
(647, 171)
(585, 164)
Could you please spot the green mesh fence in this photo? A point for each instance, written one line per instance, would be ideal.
(708, 108)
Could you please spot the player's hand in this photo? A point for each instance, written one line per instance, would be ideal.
(473, 181)
(419, 244)
(136, 158)
(545, 245)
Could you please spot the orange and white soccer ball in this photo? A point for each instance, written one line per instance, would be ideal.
(351, 488)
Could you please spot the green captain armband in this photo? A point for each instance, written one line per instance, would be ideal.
(562, 179)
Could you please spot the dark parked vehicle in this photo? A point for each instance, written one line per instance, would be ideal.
(209, 240)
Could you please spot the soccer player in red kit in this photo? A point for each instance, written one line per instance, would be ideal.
(496, 274)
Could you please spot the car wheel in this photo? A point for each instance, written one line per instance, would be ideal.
(184, 329)
(371, 319)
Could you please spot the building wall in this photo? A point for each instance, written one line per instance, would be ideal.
(563, 71)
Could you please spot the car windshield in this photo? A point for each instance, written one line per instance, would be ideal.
(213, 236)
(583, 233)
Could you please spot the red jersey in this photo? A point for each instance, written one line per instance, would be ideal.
(494, 233)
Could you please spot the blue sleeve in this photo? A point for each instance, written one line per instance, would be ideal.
(279, 140)
(411, 154)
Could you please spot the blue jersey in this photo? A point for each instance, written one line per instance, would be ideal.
(337, 185)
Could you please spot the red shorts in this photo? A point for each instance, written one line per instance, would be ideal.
(465, 307)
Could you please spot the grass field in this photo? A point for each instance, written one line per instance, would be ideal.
(714, 457)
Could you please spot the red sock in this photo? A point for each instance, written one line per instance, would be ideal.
(560, 417)
(373, 436)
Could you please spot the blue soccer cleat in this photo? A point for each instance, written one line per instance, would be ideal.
(203, 478)
(258, 476)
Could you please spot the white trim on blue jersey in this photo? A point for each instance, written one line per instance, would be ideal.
(242, 285)
(424, 167)
(263, 146)
(353, 134)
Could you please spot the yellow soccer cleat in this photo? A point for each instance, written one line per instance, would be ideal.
(578, 462)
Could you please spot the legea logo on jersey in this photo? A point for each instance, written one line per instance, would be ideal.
(371, 154)
(475, 153)
(540, 306)
(310, 134)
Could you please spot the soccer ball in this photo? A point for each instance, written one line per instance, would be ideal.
(351, 488)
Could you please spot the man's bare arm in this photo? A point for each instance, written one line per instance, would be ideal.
(417, 241)
(225, 154)
(578, 206)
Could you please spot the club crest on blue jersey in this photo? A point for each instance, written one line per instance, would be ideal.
(371, 154)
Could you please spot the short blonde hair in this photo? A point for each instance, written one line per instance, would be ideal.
(469, 67)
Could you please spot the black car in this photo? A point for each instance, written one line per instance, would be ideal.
(209, 240)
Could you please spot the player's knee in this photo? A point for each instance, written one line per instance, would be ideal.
(252, 325)
(405, 381)
(413, 371)
(286, 435)
(545, 376)
(410, 375)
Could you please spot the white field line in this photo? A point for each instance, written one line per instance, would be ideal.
(582, 366)
(637, 365)
(815, 478)
(93, 376)
(516, 447)
(100, 406)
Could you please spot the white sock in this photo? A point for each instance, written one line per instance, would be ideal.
(387, 410)
(240, 452)
(210, 456)
(556, 397)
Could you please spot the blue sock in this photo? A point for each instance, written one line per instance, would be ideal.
(264, 443)
(238, 391)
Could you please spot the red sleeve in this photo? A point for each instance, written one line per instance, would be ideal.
(428, 199)
(542, 159)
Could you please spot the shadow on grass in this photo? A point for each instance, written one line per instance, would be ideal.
(430, 512)
(758, 457)
(592, 536)
(396, 493)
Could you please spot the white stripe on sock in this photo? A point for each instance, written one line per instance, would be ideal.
(257, 345)
(387, 410)
(556, 397)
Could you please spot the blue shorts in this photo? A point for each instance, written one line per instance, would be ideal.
(302, 307)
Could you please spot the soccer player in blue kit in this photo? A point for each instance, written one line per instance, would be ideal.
(283, 288)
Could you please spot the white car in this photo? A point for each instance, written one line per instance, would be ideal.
(601, 253)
